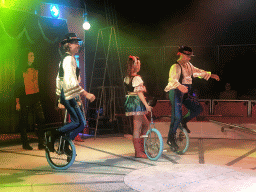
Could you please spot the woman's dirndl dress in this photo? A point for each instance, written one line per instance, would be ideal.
(133, 104)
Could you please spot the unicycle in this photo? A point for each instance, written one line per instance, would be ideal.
(63, 154)
(182, 140)
(153, 142)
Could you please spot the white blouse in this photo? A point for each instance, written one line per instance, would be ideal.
(137, 83)
(188, 71)
(70, 83)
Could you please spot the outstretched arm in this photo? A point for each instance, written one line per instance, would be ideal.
(216, 77)
(203, 74)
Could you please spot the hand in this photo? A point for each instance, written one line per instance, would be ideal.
(149, 108)
(216, 77)
(90, 97)
(61, 106)
(79, 103)
(17, 106)
(183, 88)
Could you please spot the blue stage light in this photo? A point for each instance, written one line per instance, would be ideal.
(55, 12)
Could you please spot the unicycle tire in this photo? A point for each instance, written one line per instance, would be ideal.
(153, 144)
(64, 154)
(182, 140)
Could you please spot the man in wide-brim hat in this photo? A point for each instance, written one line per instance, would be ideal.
(180, 92)
(70, 37)
(68, 88)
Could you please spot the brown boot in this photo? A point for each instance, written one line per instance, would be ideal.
(139, 152)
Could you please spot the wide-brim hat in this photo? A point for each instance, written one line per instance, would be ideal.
(70, 37)
(186, 50)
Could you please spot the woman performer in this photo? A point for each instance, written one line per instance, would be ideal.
(136, 104)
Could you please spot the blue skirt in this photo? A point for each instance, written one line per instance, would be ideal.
(134, 106)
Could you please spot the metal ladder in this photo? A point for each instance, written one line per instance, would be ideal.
(106, 81)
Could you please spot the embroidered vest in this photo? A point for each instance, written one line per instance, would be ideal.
(181, 73)
(129, 86)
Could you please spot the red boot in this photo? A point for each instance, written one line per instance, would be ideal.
(142, 145)
(78, 138)
(139, 151)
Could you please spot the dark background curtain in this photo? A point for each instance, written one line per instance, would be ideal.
(20, 31)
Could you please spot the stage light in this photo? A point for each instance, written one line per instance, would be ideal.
(55, 12)
(86, 25)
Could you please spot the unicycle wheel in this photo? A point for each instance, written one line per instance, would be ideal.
(182, 140)
(64, 154)
(153, 144)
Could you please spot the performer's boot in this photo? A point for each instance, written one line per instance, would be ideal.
(139, 151)
(24, 139)
(41, 145)
(40, 130)
(184, 124)
(53, 135)
(172, 142)
(23, 129)
(25, 145)
(142, 145)
(40, 135)
(78, 138)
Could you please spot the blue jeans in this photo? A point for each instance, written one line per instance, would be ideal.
(78, 122)
(178, 98)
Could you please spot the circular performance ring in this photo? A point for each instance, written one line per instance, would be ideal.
(64, 154)
(153, 144)
(182, 140)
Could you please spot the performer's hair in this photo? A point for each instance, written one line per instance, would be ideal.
(23, 61)
(66, 47)
(131, 66)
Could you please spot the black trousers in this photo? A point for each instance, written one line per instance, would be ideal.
(31, 104)
(177, 98)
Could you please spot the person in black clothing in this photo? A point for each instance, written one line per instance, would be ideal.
(28, 99)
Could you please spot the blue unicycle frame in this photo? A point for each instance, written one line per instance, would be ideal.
(64, 153)
(153, 142)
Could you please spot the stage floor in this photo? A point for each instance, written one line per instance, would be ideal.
(108, 164)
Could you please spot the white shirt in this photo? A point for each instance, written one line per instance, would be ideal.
(188, 71)
(70, 83)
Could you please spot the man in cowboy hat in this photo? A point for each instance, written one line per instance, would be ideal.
(179, 88)
(68, 88)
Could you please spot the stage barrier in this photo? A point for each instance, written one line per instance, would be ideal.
(232, 108)
(230, 111)
(215, 107)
